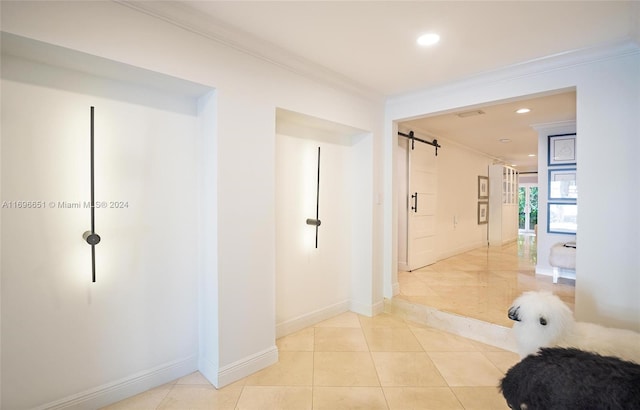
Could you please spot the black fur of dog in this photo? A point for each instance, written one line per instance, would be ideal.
(568, 379)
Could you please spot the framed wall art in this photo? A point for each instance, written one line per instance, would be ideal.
(562, 149)
(563, 184)
(483, 213)
(483, 187)
(562, 218)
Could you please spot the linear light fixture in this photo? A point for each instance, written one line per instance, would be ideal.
(316, 222)
(91, 237)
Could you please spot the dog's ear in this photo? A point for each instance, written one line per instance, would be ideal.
(543, 321)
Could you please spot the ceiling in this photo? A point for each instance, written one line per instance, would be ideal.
(510, 138)
(370, 47)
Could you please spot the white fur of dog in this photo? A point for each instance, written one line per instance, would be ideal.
(542, 319)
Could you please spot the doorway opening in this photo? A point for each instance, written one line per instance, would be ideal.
(469, 278)
(528, 208)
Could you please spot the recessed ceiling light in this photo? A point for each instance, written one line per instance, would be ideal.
(532, 155)
(523, 110)
(514, 165)
(504, 140)
(428, 39)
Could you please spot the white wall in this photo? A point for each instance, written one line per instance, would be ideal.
(311, 283)
(241, 338)
(141, 314)
(608, 100)
(458, 170)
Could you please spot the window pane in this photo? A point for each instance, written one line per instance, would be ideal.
(533, 201)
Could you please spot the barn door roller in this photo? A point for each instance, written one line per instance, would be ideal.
(413, 138)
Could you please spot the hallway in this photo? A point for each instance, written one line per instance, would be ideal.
(482, 283)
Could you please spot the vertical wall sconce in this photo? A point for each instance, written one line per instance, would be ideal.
(91, 237)
(316, 222)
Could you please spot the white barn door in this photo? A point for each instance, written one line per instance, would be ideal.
(422, 200)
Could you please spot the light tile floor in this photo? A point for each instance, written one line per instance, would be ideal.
(353, 362)
(483, 282)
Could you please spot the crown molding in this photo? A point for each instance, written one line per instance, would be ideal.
(549, 63)
(185, 17)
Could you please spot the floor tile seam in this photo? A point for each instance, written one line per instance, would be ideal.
(422, 346)
(438, 371)
(384, 394)
(169, 390)
(375, 368)
(425, 352)
(493, 364)
(313, 367)
(237, 401)
(472, 349)
(435, 367)
(350, 386)
(483, 355)
(339, 328)
(407, 326)
(167, 394)
(455, 395)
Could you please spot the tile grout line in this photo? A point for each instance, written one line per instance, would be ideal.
(313, 366)
(374, 363)
(474, 349)
(166, 395)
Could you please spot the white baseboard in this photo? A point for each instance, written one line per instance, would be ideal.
(378, 308)
(367, 310)
(309, 319)
(246, 366)
(209, 370)
(462, 249)
(126, 387)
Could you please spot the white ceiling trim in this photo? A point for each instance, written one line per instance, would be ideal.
(533, 67)
(186, 18)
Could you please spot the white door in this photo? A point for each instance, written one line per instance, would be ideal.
(423, 189)
(527, 207)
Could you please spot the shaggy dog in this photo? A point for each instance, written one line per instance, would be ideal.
(567, 379)
(543, 320)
